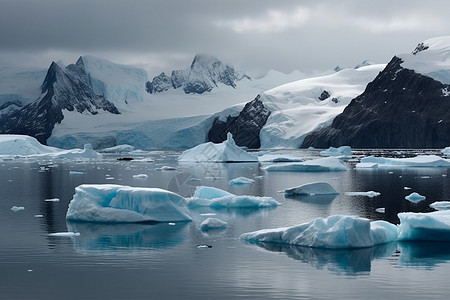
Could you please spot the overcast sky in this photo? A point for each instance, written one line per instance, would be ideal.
(254, 35)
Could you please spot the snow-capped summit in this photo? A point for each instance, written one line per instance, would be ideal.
(430, 58)
(205, 73)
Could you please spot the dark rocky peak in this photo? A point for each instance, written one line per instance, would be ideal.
(53, 73)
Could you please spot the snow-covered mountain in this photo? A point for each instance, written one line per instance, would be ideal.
(205, 73)
(406, 106)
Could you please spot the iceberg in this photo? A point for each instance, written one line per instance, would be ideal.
(27, 146)
(325, 164)
(341, 151)
(334, 232)
(218, 199)
(418, 161)
(274, 157)
(108, 203)
(440, 205)
(213, 224)
(415, 197)
(227, 151)
(241, 180)
(446, 151)
(311, 189)
(432, 226)
(17, 208)
(119, 149)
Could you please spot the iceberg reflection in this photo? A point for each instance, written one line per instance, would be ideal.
(126, 237)
(424, 254)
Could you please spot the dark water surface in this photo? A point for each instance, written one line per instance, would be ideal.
(162, 261)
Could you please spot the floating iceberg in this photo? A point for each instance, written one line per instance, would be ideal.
(311, 189)
(415, 197)
(335, 232)
(440, 205)
(332, 151)
(124, 204)
(241, 180)
(433, 226)
(212, 224)
(367, 194)
(446, 151)
(418, 161)
(217, 199)
(22, 145)
(273, 157)
(119, 149)
(227, 151)
(325, 164)
(17, 208)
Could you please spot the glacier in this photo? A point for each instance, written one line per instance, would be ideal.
(109, 203)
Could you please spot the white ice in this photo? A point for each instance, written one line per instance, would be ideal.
(121, 204)
(370, 194)
(12, 145)
(446, 151)
(312, 189)
(119, 149)
(432, 226)
(213, 224)
(64, 234)
(415, 197)
(325, 164)
(217, 199)
(418, 161)
(440, 205)
(341, 151)
(226, 151)
(17, 208)
(240, 180)
(334, 232)
(140, 176)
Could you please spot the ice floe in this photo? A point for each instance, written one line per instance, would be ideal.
(117, 203)
(370, 194)
(216, 198)
(440, 205)
(311, 189)
(334, 232)
(227, 151)
(17, 208)
(418, 161)
(415, 197)
(325, 164)
(274, 157)
(446, 151)
(341, 151)
(64, 234)
(432, 226)
(213, 224)
(241, 180)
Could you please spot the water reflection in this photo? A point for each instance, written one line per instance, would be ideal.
(424, 254)
(315, 200)
(126, 237)
(339, 261)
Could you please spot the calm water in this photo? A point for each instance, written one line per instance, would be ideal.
(163, 261)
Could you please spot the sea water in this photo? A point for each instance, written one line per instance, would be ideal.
(180, 261)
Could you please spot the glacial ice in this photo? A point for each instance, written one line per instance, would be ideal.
(312, 189)
(411, 162)
(341, 151)
(226, 151)
(325, 164)
(415, 197)
(334, 232)
(213, 224)
(432, 226)
(440, 205)
(12, 145)
(110, 203)
(216, 198)
(241, 180)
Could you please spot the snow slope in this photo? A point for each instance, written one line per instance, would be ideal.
(297, 109)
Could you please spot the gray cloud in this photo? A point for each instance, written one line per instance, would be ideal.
(256, 35)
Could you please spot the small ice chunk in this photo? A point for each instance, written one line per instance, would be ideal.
(446, 151)
(140, 176)
(241, 180)
(64, 234)
(38, 216)
(367, 194)
(332, 151)
(52, 200)
(168, 168)
(406, 188)
(415, 197)
(309, 189)
(440, 205)
(17, 208)
(367, 165)
(73, 173)
(213, 224)
(380, 210)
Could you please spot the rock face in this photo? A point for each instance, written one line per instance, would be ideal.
(245, 127)
(399, 109)
(63, 89)
(204, 74)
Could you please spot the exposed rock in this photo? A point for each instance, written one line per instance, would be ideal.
(399, 109)
(245, 128)
(325, 95)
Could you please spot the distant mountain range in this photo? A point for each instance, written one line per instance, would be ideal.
(404, 104)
